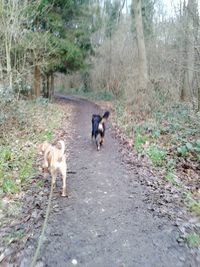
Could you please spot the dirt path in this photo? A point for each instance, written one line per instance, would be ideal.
(105, 222)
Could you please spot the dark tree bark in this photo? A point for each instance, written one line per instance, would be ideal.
(37, 80)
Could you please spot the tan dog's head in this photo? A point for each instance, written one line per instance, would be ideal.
(42, 147)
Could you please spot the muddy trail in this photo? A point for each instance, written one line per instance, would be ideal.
(105, 221)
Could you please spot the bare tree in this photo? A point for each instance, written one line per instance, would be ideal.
(9, 20)
(142, 59)
(190, 10)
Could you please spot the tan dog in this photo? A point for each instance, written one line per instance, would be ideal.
(55, 160)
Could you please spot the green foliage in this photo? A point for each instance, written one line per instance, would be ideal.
(169, 177)
(156, 155)
(40, 183)
(26, 170)
(192, 204)
(56, 35)
(156, 132)
(195, 207)
(13, 235)
(41, 100)
(139, 140)
(193, 239)
(104, 95)
(14, 164)
(47, 135)
(94, 95)
(192, 147)
(182, 150)
(64, 55)
(69, 26)
(6, 154)
(170, 165)
(9, 186)
(197, 143)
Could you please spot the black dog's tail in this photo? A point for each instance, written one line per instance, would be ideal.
(105, 116)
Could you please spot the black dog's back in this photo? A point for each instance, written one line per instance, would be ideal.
(95, 124)
(98, 128)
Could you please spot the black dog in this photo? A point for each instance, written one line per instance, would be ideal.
(98, 128)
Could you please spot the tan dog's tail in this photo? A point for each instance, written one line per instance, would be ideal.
(62, 146)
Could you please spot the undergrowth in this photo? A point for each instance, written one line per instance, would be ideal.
(193, 239)
(171, 140)
(23, 125)
(93, 95)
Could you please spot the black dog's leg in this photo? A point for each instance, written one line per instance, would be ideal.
(97, 141)
(102, 139)
(93, 127)
(93, 131)
(98, 145)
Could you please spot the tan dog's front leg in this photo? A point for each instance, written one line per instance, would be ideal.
(45, 166)
(45, 163)
(64, 189)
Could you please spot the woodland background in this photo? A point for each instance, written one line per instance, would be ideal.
(107, 41)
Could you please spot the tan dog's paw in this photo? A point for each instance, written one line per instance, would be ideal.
(45, 169)
(64, 193)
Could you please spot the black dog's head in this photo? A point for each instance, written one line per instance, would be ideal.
(98, 128)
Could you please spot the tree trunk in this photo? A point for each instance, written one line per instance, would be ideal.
(48, 86)
(109, 62)
(1, 73)
(187, 91)
(52, 86)
(198, 101)
(143, 73)
(8, 61)
(44, 91)
(36, 81)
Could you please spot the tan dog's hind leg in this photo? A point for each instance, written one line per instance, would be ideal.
(53, 174)
(45, 164)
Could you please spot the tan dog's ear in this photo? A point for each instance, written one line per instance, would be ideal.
(40, 148)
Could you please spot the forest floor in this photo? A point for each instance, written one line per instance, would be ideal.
(119, 213)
